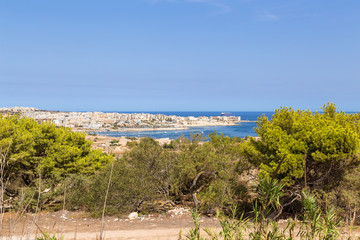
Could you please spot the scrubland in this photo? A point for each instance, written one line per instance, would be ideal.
(303, 169)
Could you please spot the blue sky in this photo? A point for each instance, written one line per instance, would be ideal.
(158, 55)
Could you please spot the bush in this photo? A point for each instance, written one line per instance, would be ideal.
(139, 176)
(316, 149)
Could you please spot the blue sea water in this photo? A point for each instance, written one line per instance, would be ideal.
(243, 129)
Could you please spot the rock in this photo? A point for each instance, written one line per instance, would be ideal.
(133, 215)
(178, 211)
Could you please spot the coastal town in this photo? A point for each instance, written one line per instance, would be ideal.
(113, 121)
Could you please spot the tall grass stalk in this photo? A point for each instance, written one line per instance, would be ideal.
(36, 217)
(315, 225)
(106, 196)
(64, 202)
(194, 233)
(20, 212)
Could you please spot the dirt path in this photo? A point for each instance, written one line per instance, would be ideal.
(77, 225)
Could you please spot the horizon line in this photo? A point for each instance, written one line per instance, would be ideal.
(143, 111)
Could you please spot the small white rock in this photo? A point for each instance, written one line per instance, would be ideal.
(133, 215)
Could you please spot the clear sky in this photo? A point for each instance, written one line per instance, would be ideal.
(153, 55)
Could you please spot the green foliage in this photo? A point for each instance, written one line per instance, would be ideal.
(64, 162)
(194, 233)
(323, 147)
(139, 176)
(318, 225)
(131, 138)
(46, 150)
(215, 164)
(46, 236)
(216, 196)
(206, 171)
(315, 224)
(325, 140)
(114, 143)
(269, 194)
(43, 155)
(268, 199)
(169, 145)
(78, 191)
(320, 152)
(346, 196)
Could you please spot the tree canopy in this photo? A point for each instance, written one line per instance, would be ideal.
(315, 145)
(34, 150)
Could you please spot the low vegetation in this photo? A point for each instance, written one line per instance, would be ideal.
(304, 165)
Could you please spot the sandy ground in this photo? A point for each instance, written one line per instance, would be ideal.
(120, 145)
(78, 225)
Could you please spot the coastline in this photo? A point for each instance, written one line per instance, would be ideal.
(158, 128)
(145, 129)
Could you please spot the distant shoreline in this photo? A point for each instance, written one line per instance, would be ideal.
(155, 129)
(145, 129)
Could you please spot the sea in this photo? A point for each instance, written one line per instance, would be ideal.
(242, 129)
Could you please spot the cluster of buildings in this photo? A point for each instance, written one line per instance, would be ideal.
(117, 121)
(17, 109)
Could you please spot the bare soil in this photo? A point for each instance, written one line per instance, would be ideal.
(119, 145)
(78, 225)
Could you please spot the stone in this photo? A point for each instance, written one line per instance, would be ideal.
(133, 215)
